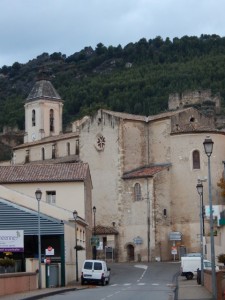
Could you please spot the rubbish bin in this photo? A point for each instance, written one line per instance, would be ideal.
(198, 276)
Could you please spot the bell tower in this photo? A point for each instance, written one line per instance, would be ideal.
(43, 112)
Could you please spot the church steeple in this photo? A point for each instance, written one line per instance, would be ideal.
(43, 89)
(43, 112)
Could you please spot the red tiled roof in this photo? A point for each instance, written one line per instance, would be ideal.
(105, 230)
(62, 136)
(148, 171)
(44, 173)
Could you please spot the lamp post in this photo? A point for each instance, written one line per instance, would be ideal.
(75, 215)
(208, 146)
(38, 195)
(94, 247)
(199, 187)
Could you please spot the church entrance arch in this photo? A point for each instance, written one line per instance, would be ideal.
(130, 252)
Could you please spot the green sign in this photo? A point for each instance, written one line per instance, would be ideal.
(95, 241)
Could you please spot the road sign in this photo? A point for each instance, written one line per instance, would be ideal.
(175, 236)
(138, 240)
(174, 250)
(47, 260)
(49, 251)
(95, 241)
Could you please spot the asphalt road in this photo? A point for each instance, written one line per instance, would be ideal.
(131, 282)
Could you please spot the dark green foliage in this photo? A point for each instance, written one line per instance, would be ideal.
(221, 258)
(7, 262)
(135, 79)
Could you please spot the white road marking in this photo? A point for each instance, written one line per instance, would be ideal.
(141, 266)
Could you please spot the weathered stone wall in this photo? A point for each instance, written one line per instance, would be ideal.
(99, 146)
(135, 143)
(188, 98)
(185, 202)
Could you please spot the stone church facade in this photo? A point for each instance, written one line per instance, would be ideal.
(144, 170)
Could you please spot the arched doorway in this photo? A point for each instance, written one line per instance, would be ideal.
(130, 252)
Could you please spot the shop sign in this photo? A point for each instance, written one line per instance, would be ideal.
(11, 241)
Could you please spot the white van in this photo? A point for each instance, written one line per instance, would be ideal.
(95, 271)
(189, 266)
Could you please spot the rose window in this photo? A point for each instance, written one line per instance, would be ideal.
(100, 142)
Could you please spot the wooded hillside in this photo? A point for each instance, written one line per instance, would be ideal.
(135, 79)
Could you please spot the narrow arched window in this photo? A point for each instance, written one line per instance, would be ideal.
(51, 120)
(137, 192)
(68, 148)
(196, 159)
(53, 151)
(33, 117)
(77, 147)
(43, 153)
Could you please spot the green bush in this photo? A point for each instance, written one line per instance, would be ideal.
(7, 262)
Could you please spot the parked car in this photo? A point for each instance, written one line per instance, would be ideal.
(95, 271)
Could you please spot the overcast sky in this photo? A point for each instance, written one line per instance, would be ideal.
(30, 27)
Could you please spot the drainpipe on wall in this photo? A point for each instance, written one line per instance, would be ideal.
(148, 198)
(148, 160)
(148, 222)
(223, 169)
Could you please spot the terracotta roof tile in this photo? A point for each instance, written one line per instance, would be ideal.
(147, 171)
(100, 230)
(44, 173)
(49, 139)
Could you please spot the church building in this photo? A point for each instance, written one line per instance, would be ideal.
(144, 172)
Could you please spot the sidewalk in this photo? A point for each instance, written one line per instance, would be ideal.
(38, 294)
(190, 289)
(187, 290)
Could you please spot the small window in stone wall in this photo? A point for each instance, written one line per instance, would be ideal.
(43, 153)
(68, 148)
(137, 192)
(33, 117)
(53, 151)
(196, 159)
(51, 120)
(77, 147)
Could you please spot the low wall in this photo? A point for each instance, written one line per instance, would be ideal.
(219, 282)
(12, 283)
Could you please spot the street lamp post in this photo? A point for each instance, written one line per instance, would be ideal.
(199, 187)
(94, 247)
(38, 195)
(208, 146)
(75, 215)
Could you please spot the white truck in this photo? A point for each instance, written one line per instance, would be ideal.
(189, 266)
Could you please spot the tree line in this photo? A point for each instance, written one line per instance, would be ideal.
(137, 78)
